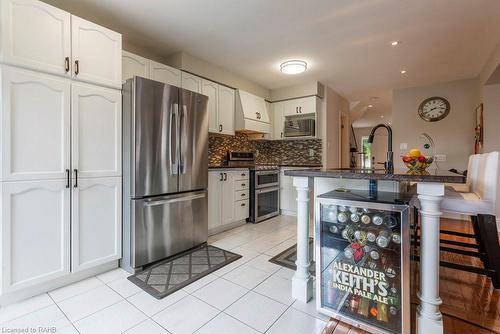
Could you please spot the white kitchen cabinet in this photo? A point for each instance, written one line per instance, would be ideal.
(96, 53)
(165, 74)
(305, 105)
(191, 82)
(210, 89)
(95, 222)
(288, 195)
(225, 110)
(35, 35)
(228, 198)
(278, 120)
(134, 65)
(35, 125)
(96, 131)
(35, 232)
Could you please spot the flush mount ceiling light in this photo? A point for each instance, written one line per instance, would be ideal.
(403, 71)
(293, 66)
(395, 43)
(370, 106)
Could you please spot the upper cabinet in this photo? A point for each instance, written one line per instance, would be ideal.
(44, 38)
(225, 112)
(191, 82)
(305, 105)
(134, 65)
(310, 106)
(278, 121)
(165, 74)
(96, 52)
(35, 35)
(252, 113)
(209, 89)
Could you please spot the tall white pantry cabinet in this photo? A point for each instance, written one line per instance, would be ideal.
(60, 148)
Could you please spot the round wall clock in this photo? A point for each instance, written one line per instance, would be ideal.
(434, 109)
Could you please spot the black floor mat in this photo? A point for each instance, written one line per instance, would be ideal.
(288, 257)
(168, 276)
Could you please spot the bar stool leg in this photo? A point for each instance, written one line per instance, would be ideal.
(429, 319)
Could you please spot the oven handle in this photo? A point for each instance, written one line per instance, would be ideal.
(267, 190)
(267, 172)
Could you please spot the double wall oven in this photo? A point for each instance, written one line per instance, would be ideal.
(264, 186)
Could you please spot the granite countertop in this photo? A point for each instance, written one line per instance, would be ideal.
(435, 176)
(212, 166)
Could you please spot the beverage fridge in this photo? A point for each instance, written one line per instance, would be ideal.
(363, 259)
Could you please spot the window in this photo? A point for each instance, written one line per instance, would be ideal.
(366, 161)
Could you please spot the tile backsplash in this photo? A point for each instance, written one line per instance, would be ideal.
(281, 152)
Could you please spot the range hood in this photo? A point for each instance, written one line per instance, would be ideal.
(252, 115)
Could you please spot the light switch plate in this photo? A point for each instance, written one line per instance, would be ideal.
(403, 146)
(440, 157)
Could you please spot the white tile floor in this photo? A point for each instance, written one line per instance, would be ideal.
(248, 296)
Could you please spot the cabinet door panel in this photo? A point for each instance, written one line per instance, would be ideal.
(214, 199)
(35, 232)
(191, 82)
(98, 52)
(36, 125)
(225, 110)
(209, 89)
(35, 35)
(165, 74)
(96, 222)
(278, 120)
(241, 209)
(134, 65)
(96, 131)
(227, 199)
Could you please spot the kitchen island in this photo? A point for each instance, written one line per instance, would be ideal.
(430, 188)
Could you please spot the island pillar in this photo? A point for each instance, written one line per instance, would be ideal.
(302, 281)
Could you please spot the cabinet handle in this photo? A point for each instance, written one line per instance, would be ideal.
(282, 135)
(243, 174)
(225, 176)
(76, 178)
(243, 204)
(66, 64)
(243, 195)
(67, 178)
(296, 110)
(300, 110)
(243, 184)
(221, 177)
(77, 67)
(220, 127)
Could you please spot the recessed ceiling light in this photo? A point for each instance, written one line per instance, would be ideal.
(403, 71)
(370, 106)
(293, 66)
(394, 43)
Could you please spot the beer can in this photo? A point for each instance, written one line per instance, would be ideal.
(364, 304)
(348, 233)
(366, 210)
(360, 236)
(353, 209)
(377, 220)
(375, 255)
(348, 252)
(383, 239)
(382, 312)
(342, 208)
(396, 238)
(365, 219)
(390, 221)
(342, 217)
(371, 236)
(334, 229)
(354, 218)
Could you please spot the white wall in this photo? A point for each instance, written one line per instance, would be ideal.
(333, 106)
(307, 89)
(216, 73)
(453, 136)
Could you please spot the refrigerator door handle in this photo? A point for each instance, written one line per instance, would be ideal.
(174, 200)
(173, 124)
(183, 136)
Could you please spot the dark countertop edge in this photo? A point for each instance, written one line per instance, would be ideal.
(342, 174)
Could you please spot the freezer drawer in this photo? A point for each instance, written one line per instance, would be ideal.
(166, 225)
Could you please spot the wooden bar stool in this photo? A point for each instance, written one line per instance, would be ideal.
(476, 197)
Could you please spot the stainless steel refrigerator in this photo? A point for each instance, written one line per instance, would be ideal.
(165, 171)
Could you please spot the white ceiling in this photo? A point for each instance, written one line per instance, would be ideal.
(346, 42)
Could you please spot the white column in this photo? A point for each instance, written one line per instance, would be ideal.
(302, 281)
(429, 319)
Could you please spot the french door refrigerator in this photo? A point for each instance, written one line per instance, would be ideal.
(165, 168)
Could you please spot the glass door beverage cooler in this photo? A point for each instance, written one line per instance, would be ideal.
(363, 259)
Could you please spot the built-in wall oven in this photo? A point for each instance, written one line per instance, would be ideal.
(264, 194)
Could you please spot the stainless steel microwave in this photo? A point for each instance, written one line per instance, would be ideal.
(303, 125)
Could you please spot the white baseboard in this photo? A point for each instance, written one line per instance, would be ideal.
(289, 213)
(226, 227)
(12, 297)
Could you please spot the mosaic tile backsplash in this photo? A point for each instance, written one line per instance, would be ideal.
(280, 152)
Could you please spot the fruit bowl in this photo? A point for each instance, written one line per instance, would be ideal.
(417, 164)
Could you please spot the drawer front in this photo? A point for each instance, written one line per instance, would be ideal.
(241, 209)
(241, 195)
(241, 185)
(241, 175)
